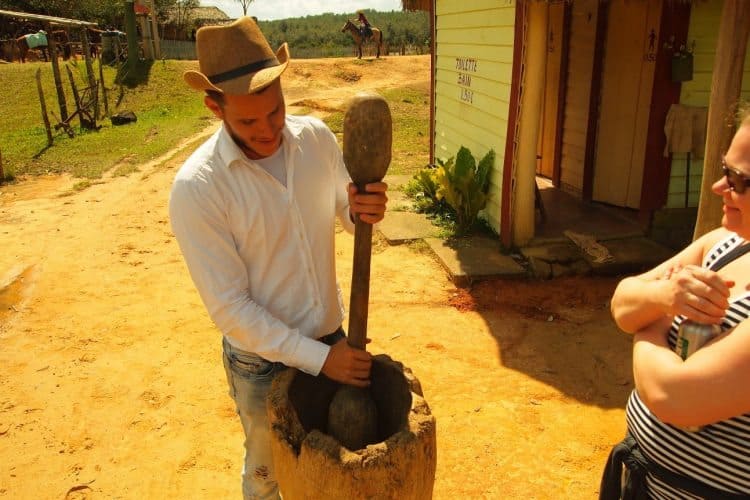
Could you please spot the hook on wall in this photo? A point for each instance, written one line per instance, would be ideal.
(685, 51)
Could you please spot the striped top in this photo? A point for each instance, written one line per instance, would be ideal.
(717, 454)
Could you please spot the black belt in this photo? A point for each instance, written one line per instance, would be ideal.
(628, 453)
(334, 337)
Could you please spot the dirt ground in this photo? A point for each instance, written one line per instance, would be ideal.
(112, 382)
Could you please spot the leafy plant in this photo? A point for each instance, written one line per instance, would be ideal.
(423, 184)
(463, 184)
(423, 189)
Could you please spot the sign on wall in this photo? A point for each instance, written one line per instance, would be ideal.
(466, 66)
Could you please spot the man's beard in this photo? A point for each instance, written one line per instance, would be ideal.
(242, 144)
(238, 140)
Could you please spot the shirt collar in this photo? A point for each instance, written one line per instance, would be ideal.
(229, 152)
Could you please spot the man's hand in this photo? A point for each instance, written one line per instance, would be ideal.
(348, 365)
(370, 205)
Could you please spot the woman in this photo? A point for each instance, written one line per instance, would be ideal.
(689, 420)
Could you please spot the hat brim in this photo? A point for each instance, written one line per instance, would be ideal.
(245, 84)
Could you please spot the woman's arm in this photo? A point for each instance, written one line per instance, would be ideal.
(679, 286)
(711, 385)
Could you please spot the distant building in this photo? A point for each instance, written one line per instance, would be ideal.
(181, 25)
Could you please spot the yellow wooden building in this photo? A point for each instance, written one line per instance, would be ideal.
(581, 94)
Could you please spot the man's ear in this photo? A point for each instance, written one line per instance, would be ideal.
(214, 107)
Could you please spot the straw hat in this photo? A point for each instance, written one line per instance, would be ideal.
(236, 59)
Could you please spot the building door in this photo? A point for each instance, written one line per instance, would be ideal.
(632, 43)
(550, 119)
(578, 82)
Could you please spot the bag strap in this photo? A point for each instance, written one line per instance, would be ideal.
(731, 255)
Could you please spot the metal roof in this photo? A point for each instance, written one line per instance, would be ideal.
(47, 19)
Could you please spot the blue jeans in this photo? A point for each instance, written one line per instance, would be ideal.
(249, 377)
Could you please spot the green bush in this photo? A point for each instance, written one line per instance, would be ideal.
(453, 191)
(422, 188)
(463, 184)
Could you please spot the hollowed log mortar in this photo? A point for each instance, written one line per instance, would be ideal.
(311, 465)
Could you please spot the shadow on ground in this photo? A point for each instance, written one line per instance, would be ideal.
(559, 332)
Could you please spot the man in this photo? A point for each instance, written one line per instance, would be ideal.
(365, 30)
(253, 210)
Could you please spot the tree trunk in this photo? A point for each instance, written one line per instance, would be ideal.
(132, 34)
(43, 104)
(726, 83)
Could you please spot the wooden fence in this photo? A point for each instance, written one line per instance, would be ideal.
(177, 49)
(185, 49)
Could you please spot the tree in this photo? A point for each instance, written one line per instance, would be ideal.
(103, 12)
(182, 14)
(245, 4)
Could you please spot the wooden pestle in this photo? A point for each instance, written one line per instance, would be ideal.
(352, 415)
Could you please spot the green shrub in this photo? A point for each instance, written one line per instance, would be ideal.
(453, 192)
(463, 184)
(422, 188)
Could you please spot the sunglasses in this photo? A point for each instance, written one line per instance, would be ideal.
(737, 180)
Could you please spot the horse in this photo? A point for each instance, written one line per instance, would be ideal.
(60, 36)
(376, 38)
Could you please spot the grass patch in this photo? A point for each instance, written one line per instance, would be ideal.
(347, 75)
(410, 112)
(167, 110)
(82, 185)
(410, 108)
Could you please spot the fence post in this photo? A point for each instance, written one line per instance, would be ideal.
(104, 88)
(74, 88)
(90, 69)
(52, 49)
(44, 106)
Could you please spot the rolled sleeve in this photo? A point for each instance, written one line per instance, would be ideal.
(310, 355)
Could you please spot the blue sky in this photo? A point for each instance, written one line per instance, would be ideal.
(267, 10)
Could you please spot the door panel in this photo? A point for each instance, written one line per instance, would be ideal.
(550, 112)
(627, 82)
(577, 91)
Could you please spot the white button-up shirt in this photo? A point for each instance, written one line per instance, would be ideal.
(260, 254)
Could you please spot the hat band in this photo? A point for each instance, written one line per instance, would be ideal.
(243, 70)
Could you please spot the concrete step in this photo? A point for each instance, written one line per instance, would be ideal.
(471, 259)
(629, 255)
(402, 227)
(467, 260)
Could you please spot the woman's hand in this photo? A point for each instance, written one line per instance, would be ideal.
(697, 293)
(677, 286)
